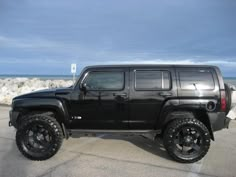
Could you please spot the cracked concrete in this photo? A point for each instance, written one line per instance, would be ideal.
(50, 170)
(107, 156)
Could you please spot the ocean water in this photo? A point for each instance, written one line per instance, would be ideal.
(231, 80)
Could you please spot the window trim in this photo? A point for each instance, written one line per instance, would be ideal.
(146, 89)
(197, 71)
(86, 75)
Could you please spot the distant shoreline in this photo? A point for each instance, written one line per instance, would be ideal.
(42, 77)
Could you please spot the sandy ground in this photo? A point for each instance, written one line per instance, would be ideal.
(118, 156)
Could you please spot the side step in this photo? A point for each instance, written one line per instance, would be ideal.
(88, 131)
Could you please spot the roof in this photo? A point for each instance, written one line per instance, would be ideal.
(148, 65)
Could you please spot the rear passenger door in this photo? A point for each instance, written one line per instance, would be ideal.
(149, 89)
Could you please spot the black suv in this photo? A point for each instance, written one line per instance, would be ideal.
(183, 105)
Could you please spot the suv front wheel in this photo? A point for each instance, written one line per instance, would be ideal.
(186, 140)
(39, 137)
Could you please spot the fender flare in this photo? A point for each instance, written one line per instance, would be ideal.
(173, 109)
(38, 104)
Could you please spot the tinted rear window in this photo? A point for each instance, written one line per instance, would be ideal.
(196, 80)
(152, 80)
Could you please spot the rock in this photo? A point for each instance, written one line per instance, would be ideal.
(12, 87)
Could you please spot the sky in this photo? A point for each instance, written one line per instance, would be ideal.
(45, 37)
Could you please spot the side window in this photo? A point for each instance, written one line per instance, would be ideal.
(196, 80)
(152, 80)
(105, 80)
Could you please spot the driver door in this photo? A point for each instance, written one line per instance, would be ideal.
(102, 103)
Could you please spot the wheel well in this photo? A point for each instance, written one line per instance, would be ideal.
(50, 112)
(197, 114)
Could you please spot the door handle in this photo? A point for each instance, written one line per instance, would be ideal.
(120, 94)
(165, 94)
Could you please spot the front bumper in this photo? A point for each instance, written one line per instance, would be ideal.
(10, 114)
(13, 118)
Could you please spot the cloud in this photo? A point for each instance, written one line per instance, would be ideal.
(62, 54)
(176, 61)
(42, 61)
(55, 66)
(32, 43)
(157, 61)
(116, 58)
(220, 62)
(44, 47)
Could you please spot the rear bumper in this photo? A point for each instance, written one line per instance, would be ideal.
(218, 121)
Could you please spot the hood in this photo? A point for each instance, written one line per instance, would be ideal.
(46, 93)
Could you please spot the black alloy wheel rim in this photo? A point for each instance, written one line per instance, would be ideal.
(188, 141)
(37, 138)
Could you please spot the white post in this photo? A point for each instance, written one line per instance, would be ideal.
(74, 77)
(73, 70)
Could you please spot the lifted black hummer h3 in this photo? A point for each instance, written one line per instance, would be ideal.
(182, 104)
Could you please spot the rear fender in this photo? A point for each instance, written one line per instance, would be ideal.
(176, 109)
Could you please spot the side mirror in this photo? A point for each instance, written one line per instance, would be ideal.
(83, 87)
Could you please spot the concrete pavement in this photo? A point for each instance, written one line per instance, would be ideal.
(118, 156)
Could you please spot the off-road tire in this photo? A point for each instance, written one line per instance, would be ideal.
(175, 126)
(51, 125)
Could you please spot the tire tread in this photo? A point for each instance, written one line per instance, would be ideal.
(171, 129)
(52, 122)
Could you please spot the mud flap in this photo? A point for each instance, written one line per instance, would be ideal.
(232, 113)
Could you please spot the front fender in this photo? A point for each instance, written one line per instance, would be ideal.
(26, 105)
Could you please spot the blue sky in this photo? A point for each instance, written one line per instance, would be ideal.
(44, 37)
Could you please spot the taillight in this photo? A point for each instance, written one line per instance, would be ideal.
(223, 101)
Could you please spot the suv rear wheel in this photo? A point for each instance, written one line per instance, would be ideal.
(39, 137)
(186, 140)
